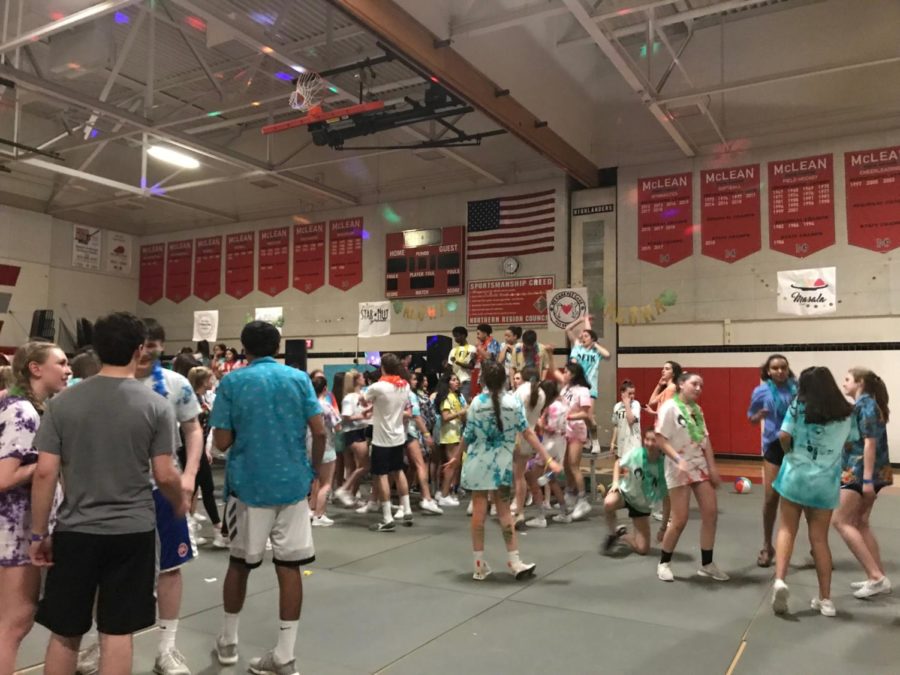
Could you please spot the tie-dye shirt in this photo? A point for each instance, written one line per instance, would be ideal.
(489, 460)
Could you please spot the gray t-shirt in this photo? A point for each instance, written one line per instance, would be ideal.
(105, 431)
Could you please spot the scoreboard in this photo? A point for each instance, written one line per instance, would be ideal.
(425, 263)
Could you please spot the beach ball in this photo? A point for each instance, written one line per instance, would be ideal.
(742, 485)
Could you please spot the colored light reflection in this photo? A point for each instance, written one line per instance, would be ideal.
(214, 113)
(390, 215)
(196, 23)
(434, 79)
(365, 234)
(283, 76)
(262, 18)
(56, 16)
(94, 133)
(157, 190)
(670, 213)
(333, 89)
(644, 49)
(266, 50)
(121, 18)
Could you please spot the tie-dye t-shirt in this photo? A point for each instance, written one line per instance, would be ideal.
(489, 460)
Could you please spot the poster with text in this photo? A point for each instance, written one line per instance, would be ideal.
(345, 239)
(509, 301)
(374, 319)
(665, 207)
(239, 250)
(808, 292)
(86, 247)
(273, 260)
(152, 273)
(179, 260)
(801, 205)
(208, 268)
(730, 212)
(873, 198)
(119, 247)
(309, 256)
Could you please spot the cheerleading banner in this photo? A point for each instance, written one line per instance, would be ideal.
(801, 205)
(239, 264)
(730, 213)
(152, 273)
(179, 257)
(873, 198)
(345, 253)
(208, 268)
(665, 208)
(273, 260)
(309, 257)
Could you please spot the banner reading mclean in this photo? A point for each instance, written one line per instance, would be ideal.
(801, 205)
(808, 292)
(665, 234)
(565, 305)
(501, 302)
(873, 198)
(730, 212)
(374, 319)
(152, 273)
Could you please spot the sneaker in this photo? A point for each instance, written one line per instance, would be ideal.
(267, 665)
(193, 525)
(200, 541)
(713, 572)
(407, 519)
(482, 570)
(322, 521)
(89, 660)
(657, 515)
(200, 518)
(537, 521)
(469, 508)
(621, 531)
(520, 524)
(513, 509)
(664, 572)
(447, 501)
(521, 570)
(780, 595)
(344, 497)
(384, 526)
(429, 506)
(825, 607)
(610, 543)
(571, 500)
(220, 541)
(872, 588)
(453, 499)
(399, 513)
(227, 654)
(582, 508)
(529, 500)
(369, 507)
(493, 510)
(564, 518)
(171, 663)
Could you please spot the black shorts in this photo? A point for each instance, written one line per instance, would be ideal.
(355, 436)
(368, 432)
(633, 512)
(387, 460)
(122, 567)
(857, 487)
(774, 453)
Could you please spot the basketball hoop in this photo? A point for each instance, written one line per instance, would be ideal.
(307, 95)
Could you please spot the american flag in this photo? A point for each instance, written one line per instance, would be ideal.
(516, 225)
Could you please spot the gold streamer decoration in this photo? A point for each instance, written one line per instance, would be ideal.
(633, 315)
(425, 311)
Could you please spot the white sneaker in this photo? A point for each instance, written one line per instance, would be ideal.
(513, 508)
(825, 607)
(454, 499)
(171, 663)
(664, 572)
(493, 509)
(537, 521)
(657, 515)
(89, 660)
(220, 541)
(200, 518)
(446, 502)
(521, 570)
(563, 518)
(200, 541)
(869, 588)
(399, 513)
(582, 508)
(226, 653)
(322, 521)
(780, 595)
(713, 572)
(268, 544)
(369, 507)
(344, 497)
(470, 508)
(482, 570)
(430, 506)
(529, 499)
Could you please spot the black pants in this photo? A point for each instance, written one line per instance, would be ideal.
(205, 484)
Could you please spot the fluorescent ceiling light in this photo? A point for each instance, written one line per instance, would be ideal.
(172, 156)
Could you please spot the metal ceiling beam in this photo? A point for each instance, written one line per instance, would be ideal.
(197, 56)
(541, 10)
(387, 20)
(67, 22)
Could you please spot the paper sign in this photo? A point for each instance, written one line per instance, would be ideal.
(374, 319)
(566, 305)
(808, 292)
(206, 325)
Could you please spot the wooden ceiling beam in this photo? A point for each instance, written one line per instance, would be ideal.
(414, 41)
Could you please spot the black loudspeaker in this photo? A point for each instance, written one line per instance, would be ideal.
(43, 327)
(295, 354)
(437, 351)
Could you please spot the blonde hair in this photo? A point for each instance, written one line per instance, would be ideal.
(350, 378)
(30, 352)
(6, 377)
(198, 376)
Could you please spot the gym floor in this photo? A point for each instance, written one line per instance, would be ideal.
(405, 603)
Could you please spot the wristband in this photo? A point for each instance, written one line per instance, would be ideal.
(868, 481)
(36, 538)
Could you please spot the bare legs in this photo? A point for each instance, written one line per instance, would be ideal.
(770, 512)
(851, 520)
(479, 514)
(451, 467)
(19, 588)
(321, 488)
(116, 653)
(417, 462)
(639, 538)
(361, 460)
(818, 521)
(680, 498)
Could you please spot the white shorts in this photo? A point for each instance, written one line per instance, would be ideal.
(288, 526)
(555, 446)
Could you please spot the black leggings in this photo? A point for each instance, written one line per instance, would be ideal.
(204, 483)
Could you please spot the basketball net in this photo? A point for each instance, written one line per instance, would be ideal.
(307, 97)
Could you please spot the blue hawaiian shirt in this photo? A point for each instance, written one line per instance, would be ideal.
(869, 424)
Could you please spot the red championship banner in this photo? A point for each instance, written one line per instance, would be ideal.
(873, 198)
(345, 253)
(153, 267)
(309, 257)
(801, 205)
(665, 207)
(273, 260)
(208, 268)
(509, 301)
(179, 259)
(730, 212)
(239, 264)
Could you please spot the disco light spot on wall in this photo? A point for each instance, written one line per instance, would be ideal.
(263, 18)
(283, 76)
(390, 215)
(121, 18)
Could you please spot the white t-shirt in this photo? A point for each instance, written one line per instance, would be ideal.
(182, 399)
(352, 405)
(523, 393)
(628, 436)
(389, 402)
(461, 354)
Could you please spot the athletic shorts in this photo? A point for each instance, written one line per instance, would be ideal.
(633, 512)
(174, 535)
(576, 432)
(287, 526)
(368, 432)
(387, 460)
(857, 487)
(118, 569)
(774, 453)
(355, 436)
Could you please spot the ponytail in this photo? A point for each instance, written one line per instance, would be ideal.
(495, 380)
(530, 375)
(875, 387)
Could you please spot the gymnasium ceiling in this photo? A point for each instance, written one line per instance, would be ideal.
(592, 84)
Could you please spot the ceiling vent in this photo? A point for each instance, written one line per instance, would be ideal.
(264, 183)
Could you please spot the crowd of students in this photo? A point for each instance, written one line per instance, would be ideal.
(498, 426)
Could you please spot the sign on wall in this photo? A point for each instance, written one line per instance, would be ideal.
(374, 319)
(309, 257)
(152, 273)
(501, 302)
(208, 268)
(86, 247)
(239, 264)
(206, 325)
(272, 315)
(425, 263)
(872, 179)
(273, 260)
(345, 253)
(730, 212)
(801, 205)
(179, 259)
(119, 248)
(566, 305)
(808, 292)
(665, 206)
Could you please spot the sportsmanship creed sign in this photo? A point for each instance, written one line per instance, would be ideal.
(273, 260)
(239, 264)
(801, 205)
(153, 265)
(729, 212)
(345, 255)
(873, 198)
(309, 257)
(208, 268)
(179, 256)
(509, 301)
(665, 208)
